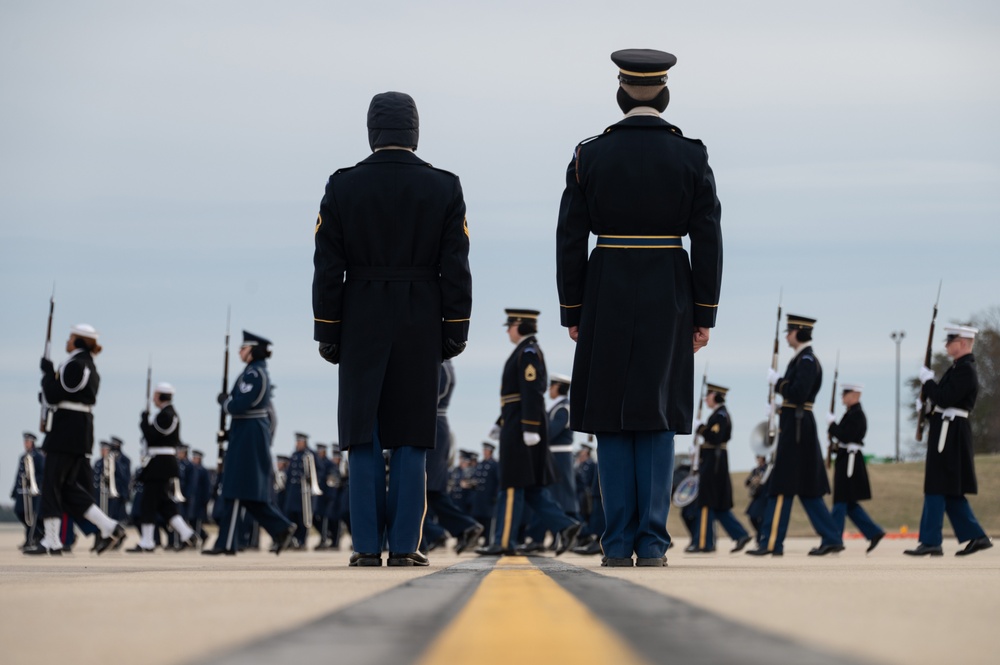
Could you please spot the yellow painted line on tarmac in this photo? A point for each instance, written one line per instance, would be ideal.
(521, 615)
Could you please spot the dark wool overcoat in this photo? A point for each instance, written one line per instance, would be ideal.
(640, 187)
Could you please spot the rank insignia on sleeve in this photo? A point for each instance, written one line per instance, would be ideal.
(715, 428)
(319, 223)
(530, 373)
(465, 227)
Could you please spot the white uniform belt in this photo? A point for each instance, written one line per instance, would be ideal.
(161, 450)
(75, 406)
(951, 412)
(564, 448)
(850, 447)
(947, 415)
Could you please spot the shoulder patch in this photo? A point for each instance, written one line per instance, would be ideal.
(530, 373)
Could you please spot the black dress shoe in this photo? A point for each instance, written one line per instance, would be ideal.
(321, 547)
(616, 562)
(873, 543)
(37, 550)
(740, 544)
(763, 551)
(567, 537)
(823, 550)
(469, 537)
(140, 550)
(365, 560)
(691, 549)
(593, 547)
(212, 551)
(407, 559)
(440, 542)
(492, 550)
(116, 537)
(286, 542)
(651, 562)
(925, 550)
(530, 548)
(975, 545)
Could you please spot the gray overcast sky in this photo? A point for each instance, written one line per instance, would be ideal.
(162, 161)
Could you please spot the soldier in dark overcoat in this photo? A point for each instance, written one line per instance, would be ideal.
(450, 516)
(950, 470)
(321, 518)
(71, 390)
(850, 473)
(392, 297)
(247, 480)
(799, 468)
(639, 307)
(27, 490)
(525, 461)
(715, 488)
(486, 479)
(298, 488)
(162, 434)
(198, 491)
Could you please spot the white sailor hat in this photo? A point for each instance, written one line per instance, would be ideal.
(84, 330)
(852, 387)
(560, 378)
(164, 388)
(967, 332)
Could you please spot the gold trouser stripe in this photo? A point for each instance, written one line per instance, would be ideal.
(704, 527)
(516, 608)
(508, 515)
(775, 522)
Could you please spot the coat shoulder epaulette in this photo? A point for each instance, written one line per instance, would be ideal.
(343, 170)
(439, 170)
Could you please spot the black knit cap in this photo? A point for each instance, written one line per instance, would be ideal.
(393, 120)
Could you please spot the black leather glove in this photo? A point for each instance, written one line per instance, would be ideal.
(221, 398)
(450, 348)
(47, 366)
(144, 418)
(330, 352)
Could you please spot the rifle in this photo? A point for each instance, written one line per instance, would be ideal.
(45, 418)
(922, 415)
(701, 404)
(771, 433)
(149, 384)
(222, 434)
(833, 405)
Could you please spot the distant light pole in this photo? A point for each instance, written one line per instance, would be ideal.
(897, 336)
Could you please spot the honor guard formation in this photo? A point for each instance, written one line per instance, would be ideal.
(392, 301)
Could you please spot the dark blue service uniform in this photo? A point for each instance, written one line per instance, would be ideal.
(715, 488)
(639, 187)
(294, 480)
(247, 482)
(24, 499)
(525, 470)
(799, 466)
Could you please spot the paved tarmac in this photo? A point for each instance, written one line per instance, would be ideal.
(180, 608)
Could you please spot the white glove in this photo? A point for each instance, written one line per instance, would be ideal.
(772, 376)
(532, 438)
(769, 410)
(926, 374)
(830, 418)
(495, 433)
(696, 424)
(919, 405)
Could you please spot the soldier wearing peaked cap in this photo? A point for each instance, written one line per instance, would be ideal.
(950, 470)
(159, 474)
(561, 445)
(486, 482)
(72, 389)
(197, 490)
(850, 474)
(525, 460)
(247, 481)
(298, 482)
(392, 297)
(638, 306)
(27, 490)
(715, 488)
(799, 468)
